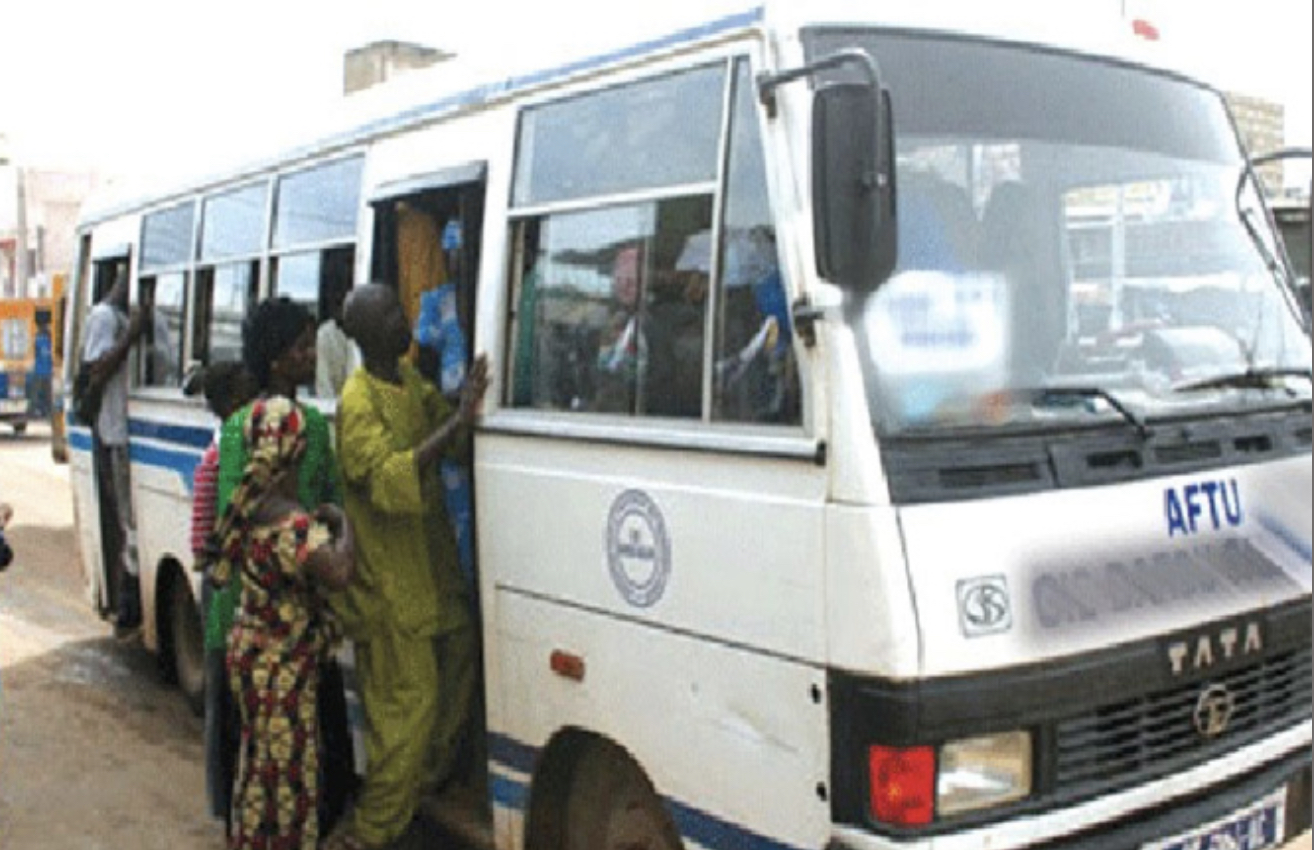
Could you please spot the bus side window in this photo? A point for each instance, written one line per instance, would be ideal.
(166, 255)
(233, 228)
(317, 279)
(755, 377)
(224, 295)
(161, 299)
(611, 305)
(611, 302)
(608, 321)
(315, 217)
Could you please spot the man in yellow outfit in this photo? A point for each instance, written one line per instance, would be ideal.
(407, 608)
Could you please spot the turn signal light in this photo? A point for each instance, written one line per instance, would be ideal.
(902, 782)
(567, 665)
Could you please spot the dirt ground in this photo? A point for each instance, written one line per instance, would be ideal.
(95, 751)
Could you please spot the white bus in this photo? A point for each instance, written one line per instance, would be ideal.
(807, 515)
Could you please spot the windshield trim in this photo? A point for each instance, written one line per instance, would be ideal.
(943, 466)
(811, 32)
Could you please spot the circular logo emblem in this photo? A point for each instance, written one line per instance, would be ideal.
(1213, 711)
(638, 548)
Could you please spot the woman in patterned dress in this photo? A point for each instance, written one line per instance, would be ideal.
(290, 559)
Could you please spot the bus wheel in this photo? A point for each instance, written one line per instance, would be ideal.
(613, 806)
(20, 427)
(187, 645)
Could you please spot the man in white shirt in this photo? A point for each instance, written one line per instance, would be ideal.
(333, 350)
(332, 359)
(111, 333)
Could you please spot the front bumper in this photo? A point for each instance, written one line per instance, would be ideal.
(1135, 825)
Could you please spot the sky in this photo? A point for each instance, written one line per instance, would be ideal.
(130, 86)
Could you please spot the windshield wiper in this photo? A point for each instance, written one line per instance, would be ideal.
(1262, 378)
(1044, 397)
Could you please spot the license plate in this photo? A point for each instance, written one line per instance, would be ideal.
(1255, 827)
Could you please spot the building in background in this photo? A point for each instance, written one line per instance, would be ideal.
(380, 61)
(1262, 124)
(38, 213)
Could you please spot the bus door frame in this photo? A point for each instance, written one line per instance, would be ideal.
(101, 270)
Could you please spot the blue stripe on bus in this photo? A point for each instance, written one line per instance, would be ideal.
(511, 753)
(508, 793)
(480, 95)
(711, 831)
(694, 33)
(693, 823)
(1287, 536)
(79, 439)
(187, 435)
(477, 96)
(181, 461)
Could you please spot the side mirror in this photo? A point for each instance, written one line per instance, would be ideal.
(853, 185)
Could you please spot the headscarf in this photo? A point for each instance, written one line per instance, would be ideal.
(275, 440)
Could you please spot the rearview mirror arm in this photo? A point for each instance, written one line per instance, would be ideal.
(768, 83)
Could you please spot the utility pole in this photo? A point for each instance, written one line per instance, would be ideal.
(21, 270)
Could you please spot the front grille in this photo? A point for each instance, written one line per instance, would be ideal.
(1123, 743)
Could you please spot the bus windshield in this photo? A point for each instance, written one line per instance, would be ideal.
(1068, 228)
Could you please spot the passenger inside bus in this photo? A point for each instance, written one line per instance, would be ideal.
(755, 377)
(438, 331)
(623, 351)
(1014, 241)
(674, 327)
(418, 264)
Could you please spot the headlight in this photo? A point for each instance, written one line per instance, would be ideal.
(976, 773)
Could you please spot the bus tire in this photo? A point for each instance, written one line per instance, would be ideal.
(20, 428)
(611, 805)
(186, 645)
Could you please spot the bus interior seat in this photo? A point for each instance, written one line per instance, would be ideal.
(938, 229)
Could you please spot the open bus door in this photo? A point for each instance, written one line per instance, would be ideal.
(99, 541)
(417, 221)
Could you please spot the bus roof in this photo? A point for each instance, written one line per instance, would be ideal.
(425, 95)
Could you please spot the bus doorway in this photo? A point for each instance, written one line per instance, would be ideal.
(427, 244)
(99, 500)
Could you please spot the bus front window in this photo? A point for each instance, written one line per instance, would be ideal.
(1063, 223)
